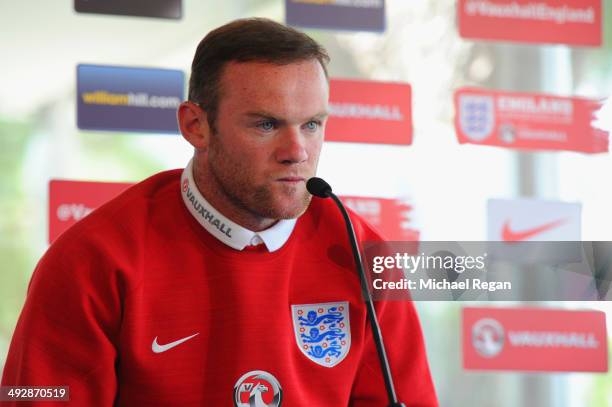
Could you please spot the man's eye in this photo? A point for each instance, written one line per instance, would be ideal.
(312, 125)
(267, 125)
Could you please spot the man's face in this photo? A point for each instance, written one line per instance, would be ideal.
(270, 125)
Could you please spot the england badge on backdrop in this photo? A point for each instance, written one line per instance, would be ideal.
(322, 331)
(476, 116)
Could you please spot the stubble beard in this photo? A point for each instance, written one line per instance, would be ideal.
(236, 185)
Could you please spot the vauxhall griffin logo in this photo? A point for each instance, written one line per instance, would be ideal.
(488, 337)
(257, 389)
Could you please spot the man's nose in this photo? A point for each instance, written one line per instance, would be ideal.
(291, 147)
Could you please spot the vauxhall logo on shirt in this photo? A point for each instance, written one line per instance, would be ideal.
(257, 388)
(204, 212)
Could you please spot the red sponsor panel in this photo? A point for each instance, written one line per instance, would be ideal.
(390, 217)
(534, 339)
(70, 201)
(571, 22)
(528, 121)
(369, 112)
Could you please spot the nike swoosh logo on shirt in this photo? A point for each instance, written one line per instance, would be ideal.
(157, 348)
(510, 235)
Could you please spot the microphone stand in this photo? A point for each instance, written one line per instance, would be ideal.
(320, 188)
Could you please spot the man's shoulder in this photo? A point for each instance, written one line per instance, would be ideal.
(126, 215)
(326, 215)
(111, 238)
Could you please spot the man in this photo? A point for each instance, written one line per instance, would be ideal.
(221, 284)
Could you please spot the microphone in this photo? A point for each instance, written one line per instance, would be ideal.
(318, 187)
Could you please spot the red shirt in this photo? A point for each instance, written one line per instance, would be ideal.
(114, 304)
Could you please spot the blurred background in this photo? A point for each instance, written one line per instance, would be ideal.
(446, 183)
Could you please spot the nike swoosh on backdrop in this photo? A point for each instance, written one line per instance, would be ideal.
(510, 235)
(157, 348)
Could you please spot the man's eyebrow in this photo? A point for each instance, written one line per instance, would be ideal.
(263, 115)
(321, 116)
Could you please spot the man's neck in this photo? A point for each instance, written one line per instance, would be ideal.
(226, 207)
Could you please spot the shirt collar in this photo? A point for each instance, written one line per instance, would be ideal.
(230, 233)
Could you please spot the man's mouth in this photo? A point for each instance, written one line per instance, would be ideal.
(292, 180)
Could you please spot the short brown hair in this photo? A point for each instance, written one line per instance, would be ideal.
(245, 40)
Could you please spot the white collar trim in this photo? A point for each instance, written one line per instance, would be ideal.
(230, 233)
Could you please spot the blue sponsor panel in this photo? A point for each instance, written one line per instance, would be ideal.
(112, 98)
(349, 15)
(172, 9)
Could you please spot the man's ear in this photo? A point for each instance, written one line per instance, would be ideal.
(193, 123)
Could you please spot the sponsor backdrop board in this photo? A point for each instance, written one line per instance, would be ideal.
(532, 339)
(351, 15)
(571, 22)
(128, 99)
(172, 9)
(514, 220)
(369, 112)
(390, 217)
(527, 121)
(70, 201)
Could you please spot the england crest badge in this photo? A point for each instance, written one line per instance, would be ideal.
(476, 116)
(322, 331)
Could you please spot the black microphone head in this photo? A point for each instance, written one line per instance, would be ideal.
(318, 187)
